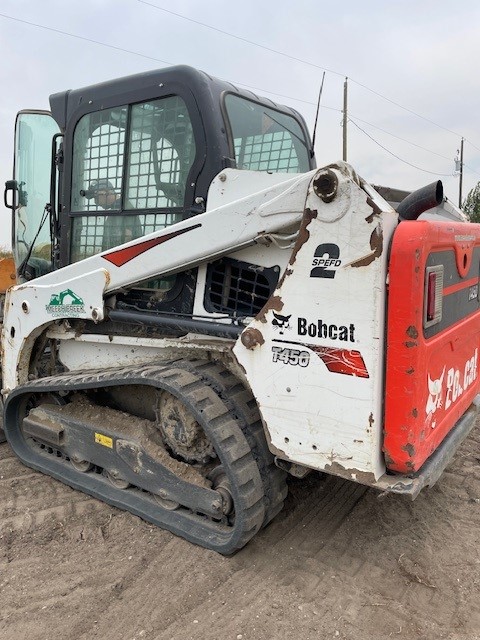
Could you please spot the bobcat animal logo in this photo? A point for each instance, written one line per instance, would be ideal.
(434, 401)
(281, 322)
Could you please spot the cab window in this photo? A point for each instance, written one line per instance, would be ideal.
(109, 183)
(265, 139)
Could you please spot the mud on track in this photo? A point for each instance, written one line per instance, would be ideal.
(338, 562)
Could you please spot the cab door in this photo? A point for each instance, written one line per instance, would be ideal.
(28, 194)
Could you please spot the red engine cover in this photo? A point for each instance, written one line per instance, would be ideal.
(433, 329)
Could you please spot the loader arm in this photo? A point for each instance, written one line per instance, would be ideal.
(225, 229)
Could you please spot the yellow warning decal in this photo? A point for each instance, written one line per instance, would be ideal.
(105, 441)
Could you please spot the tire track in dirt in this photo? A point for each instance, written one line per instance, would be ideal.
(257, 581)
(337, 562)
(29, 499)
(190, 572)
(238, 583)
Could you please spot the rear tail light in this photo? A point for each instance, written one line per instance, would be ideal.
(432, 313)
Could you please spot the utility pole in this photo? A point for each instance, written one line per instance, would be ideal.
(461, 176)
(345, 118)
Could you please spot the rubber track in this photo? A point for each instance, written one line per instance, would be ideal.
(214, 415)
(243, 406)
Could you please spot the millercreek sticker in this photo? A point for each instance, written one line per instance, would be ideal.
(65, 303)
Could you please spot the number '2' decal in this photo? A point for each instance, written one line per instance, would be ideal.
(326, 255)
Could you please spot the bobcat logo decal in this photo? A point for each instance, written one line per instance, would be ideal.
(434, 401)
(281, 322)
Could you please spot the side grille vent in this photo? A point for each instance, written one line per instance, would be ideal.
(238, 288)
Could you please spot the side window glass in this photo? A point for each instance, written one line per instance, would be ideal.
(265, 139)
(33, 151)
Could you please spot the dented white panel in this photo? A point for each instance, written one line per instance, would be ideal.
(29, 308)
(315, 358)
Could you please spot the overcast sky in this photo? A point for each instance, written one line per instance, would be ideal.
(422, 55)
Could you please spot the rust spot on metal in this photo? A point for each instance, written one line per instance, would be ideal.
(308, 216)
(371, 421)
(412, 332)
(415, 412)
(286, 273)
(411, 344)
(363, 477)
(388, 460)
(347, 172)
(410, 449)
(325, 185)
(410, 371)
(303, 232)
(251, 338)
(376, 245)
(275, 303)
(375, 210)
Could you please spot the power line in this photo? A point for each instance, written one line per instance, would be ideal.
(418, 115)
(136, 53)
(472, 170)
(141, 55)
(471, 144)
(232, 35)
(414, 144)
(307, 62)
(73, 35)
(445, 175)
(408, 142)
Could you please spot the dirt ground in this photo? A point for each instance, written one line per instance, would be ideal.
(338, 562)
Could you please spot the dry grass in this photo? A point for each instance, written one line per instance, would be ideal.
(5, 252)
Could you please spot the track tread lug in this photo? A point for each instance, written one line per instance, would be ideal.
(221, 426)
(244, 406)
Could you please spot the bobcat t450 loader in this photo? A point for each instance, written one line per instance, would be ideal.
(199, 311)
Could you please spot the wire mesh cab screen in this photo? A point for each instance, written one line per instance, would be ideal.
(109, 183)
(265, 139)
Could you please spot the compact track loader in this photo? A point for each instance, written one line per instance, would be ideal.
(199, 311)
